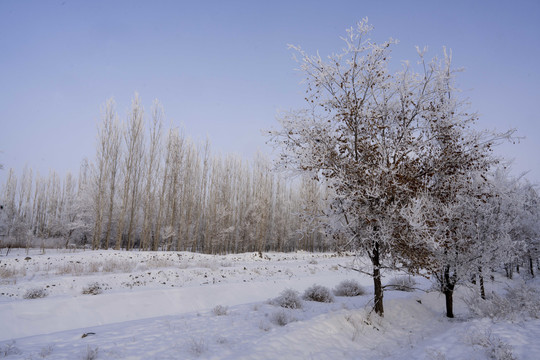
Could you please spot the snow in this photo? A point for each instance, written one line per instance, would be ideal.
(158, 305)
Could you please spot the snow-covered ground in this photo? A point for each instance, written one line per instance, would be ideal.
(158, 305)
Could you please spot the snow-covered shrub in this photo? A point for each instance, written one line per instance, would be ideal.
(10, 272)
(92, 289)
(71, 268)
(349, 288)
(94, 266)
(91, 353)
(9, 349)
(318, 293)
(122, 266)
(288, 298)
(198, 347)
(356, 324)
(281, 318)
(499, 350)
(46, 351)
(518, 302)
(434, 354)
(159, 262)
(401, 283)
(524, 299)
(220, 310)
(208, 264)
(221, 340)
(493, 345)
(35, 293)
(483, 307)
(225, 263)
(264, 325)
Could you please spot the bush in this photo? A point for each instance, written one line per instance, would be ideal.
(349, 288)
(46, 351)
(92, 289)
(220, 310)
(288, 299)
(524, 299)
(493, 345)
(9, 349)
(35, 293)
(91, 353)
(519, 302)
(401, 283)
(198, 346)
(281, 318)
(318, 293)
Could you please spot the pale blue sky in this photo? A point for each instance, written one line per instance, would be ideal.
(222, 68)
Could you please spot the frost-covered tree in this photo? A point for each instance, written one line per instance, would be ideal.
(494, 214)
(101, 170)
(113, 130)
(467, 232)
(9, 204)
(526, 230)
(175, 150)
(80, 211)
(152, 167)
(442, 216)
(374, 137)
(3, 222)
(132, 170)
(311, 202)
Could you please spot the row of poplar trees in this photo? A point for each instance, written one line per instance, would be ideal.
(152, 188)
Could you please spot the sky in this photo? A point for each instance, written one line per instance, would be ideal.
(222, 69)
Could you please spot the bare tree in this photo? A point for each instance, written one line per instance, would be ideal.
(8, 202)
(152, 168)
(101, 170)
(160, 218)
(133, 139)
(112, 127)
(174, 187)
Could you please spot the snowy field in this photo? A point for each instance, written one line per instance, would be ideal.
(158, 305)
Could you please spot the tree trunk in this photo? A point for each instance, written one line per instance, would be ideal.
(509, 271)
(531, 266)
(448, 290)
(109, 216)
(481, 280)
(377, 284)
(448, 295)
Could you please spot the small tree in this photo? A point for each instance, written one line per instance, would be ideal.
(442, 217)
(501, 222)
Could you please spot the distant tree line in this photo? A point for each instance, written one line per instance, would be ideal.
(150, 188)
